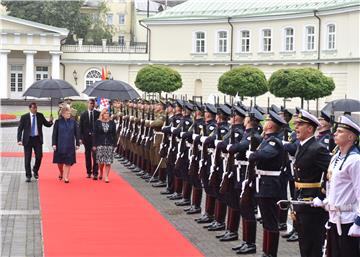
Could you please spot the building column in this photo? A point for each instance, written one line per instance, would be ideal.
(4, 86)
(29, 78)
(55, 64)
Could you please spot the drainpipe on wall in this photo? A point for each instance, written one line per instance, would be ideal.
(62, 42)
(231, 42)
(148, 38)
(318, 52)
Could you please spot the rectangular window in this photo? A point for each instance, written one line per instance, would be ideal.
(310, 38)
(266, 40)
(42, 72)
(121, 19)
(16, 78)
(109, 19)
(222, 41)
(245, 41)
(289, 39)
(331, 36)
(200, 42)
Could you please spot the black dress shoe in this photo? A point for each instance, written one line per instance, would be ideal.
(28, 180)
(66, 181)
(204, 219)
(132, 167)
(88, 176)
(217, 227)
(231, 236)
(36, 175)
(283, 227)
(141, 173)
(146, 176)
(152, 180)
(166, 192)
(247, 248)
(293, 238)
(211, 224)
(288, 234)
(236, 248)
(159, 184)
(223, 234)
(175, 196)
(194, 210)
(183, 202)
(95, 178)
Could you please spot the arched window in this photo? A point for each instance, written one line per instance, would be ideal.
(92, 76)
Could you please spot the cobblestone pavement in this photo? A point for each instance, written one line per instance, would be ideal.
(21, 221)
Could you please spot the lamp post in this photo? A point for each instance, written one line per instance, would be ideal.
(75, 76)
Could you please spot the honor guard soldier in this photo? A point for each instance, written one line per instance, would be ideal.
(205, 162)
(343, 192)
(195, 182)
(247, 205)
(183, 158)
(172, 151)
(325, 136)
(212, 185)
(269, 164)
(230, 186)
(311, 162)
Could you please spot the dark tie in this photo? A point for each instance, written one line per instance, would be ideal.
(33, 124)
(91, 121)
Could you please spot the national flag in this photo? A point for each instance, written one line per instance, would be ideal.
(103, 103)
(103, 74)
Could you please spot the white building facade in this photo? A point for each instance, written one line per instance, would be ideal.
(201, 40)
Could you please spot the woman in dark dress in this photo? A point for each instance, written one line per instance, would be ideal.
(104, 142)
(65, 141)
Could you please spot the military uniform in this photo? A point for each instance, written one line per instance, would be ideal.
(311, 162)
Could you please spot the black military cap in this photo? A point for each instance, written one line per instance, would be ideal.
(274, 108)
(284, 110)
(224, 110)
(199, 106)
(189, 106)
(254, 113)
(239, 111)
(179, 103)
(273, 116)
(324, 116)
(210, 108)
(242, 106)
(261, 110)
(228, 105)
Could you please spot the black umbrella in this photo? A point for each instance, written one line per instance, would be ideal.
(112, 89)
(53, 88)
(343, 105)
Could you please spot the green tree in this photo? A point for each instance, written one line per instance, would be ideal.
(306, 83)
(243, 81)
(64, 14)
(157, 79)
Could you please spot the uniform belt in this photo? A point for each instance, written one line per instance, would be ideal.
(158, 133)
(300, 185)
(268, 172)
(341, 208)
(244, 163)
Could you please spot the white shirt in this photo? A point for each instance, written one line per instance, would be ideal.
(31, 123)
(344, 188)
(303, 142)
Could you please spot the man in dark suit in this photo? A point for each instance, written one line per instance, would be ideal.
(311, 162)
(87, 122)
(31, 137)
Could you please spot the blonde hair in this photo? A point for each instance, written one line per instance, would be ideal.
(101, 116)
(64, 109)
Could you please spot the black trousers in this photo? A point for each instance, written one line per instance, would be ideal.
(311, 229)
(90, 159)
(344, 245)
(34, 143)
(269, 213)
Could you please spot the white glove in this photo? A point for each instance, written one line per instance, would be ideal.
(194, 136)
(182, 133)
(202, 139)
(228, 147)
(285, 142)
(354, 231)
(248, 153)
(243, 184)
(217, 142)
(317, 202)
(172, 129)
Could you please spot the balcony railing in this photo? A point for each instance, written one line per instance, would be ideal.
(134, 47)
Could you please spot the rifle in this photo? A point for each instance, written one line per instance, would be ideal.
(215, 162)
(230, 166)
(203, 159)
(165, 143)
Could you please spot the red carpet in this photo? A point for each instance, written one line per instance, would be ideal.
(92, 218)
